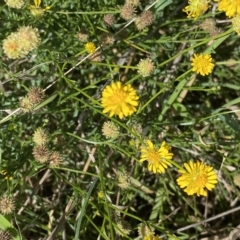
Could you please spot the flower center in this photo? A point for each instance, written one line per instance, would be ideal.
(13, 46)
(119, 97)
(203, 63)
(153, 156)
(201, 180)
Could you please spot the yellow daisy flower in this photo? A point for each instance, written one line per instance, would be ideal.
(90, 47)
(118, 99)
(202, 63)
(196, 8)
(196, 178)
(230, 7)
(157, 158)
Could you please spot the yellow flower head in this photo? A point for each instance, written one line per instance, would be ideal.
(230, 7)
(28, 38)
(101, 194)
(196, 178)
(90, 47)
(157, 158)
(12, 47)
(196, 8)
(36, 10)
(20, 43)
(118, 99)
(15, 3)
(236, 24)
(202, 63)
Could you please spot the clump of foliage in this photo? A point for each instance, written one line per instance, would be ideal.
(119, 119)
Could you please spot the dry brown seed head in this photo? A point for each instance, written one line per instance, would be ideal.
(36, 95)
(127, 12)
(41, 153)
(7, 205)
(109, 19)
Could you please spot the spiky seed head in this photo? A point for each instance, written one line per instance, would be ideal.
(137, 128)
(26, 104)
(107, 39)
(36, 95)
(41, 153)
(123, 227)
(110, 130)
(7, 205)
(124, 180)
(147, 17)
(55, 159)
(82, 36)
(133, 2)
(209, 25)
(145, 67)
(144, 230)
(40, 137)
(127, 12)
(144, 20)
(96, 57)
(109, 19)
(28, 38)
(5, 235)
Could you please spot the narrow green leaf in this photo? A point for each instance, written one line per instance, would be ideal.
(7, 226)
(231, 122)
